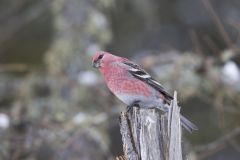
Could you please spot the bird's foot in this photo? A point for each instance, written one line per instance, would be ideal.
(134, 104)
(129, 108)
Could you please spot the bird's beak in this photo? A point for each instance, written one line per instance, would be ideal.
(96, 64)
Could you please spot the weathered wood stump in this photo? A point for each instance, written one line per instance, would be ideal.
(148, 134)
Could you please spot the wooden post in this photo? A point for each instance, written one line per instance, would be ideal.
(148, 134)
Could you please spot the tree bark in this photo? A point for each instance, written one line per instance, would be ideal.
(149, 134)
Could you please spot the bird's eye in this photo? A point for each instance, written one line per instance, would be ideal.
(100, 56)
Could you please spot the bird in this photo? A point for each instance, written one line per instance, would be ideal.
(133, 85)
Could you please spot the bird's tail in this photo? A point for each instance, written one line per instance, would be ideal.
(189, 126)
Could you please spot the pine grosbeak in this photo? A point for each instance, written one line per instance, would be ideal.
(132, 85)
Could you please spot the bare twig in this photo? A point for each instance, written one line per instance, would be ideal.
(11, 26)
(17, 67)
(218, 24)
(211, 148)
(195, 40)
(211, 44)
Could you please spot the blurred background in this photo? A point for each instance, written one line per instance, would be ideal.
(55, 106)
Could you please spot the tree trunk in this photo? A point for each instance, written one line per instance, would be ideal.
(148, 134)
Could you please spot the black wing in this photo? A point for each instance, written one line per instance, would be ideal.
(142, 75)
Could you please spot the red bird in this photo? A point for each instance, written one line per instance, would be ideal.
(133, 86)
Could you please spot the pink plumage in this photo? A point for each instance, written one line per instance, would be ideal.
(132, 85)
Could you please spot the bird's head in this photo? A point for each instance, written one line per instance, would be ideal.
(101, 59)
